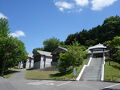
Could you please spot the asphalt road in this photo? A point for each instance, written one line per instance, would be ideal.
(17, 82)
(8, 84)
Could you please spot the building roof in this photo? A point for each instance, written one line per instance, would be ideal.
(44, 53)
(30, 55)
(89, 52)
(97, 46)
(59, 50)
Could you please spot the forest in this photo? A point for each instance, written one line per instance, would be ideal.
(99, 34)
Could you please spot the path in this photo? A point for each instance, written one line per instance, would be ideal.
(20, 75)
(94, 70)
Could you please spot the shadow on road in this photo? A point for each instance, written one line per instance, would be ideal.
(11, 72)
(109, 89)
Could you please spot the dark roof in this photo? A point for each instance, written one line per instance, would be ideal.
(59, 50)
(44, 53)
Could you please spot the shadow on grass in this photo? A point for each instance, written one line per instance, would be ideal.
(61, 74)
(30, 69)
(116, 66)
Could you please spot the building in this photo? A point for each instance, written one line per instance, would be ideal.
(56, 53)
(30, 62)
(98, 50)
(42, 60)
(94, 70)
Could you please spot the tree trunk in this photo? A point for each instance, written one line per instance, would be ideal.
(3, 68)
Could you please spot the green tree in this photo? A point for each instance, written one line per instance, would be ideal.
(114, 47)
(4, 29)
(12, 50)
(117, 56)
(51, 44)
(72, 58)
(99, 34)
(36, 54)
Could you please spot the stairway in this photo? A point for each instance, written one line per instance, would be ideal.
(93, 71)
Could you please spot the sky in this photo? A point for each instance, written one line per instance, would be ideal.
(34, 21)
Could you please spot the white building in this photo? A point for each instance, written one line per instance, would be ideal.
(42, 60)
(20, 65)
(30, 62)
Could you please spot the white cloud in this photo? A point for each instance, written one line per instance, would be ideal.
(17, 34)
(62, 5)
(100, 4)
(79, 5)
(2, 16)
(82, 2)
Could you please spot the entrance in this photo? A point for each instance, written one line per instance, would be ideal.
(98, 55)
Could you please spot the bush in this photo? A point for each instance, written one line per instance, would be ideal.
(72, 58)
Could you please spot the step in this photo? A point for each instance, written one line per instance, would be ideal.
(93, 71)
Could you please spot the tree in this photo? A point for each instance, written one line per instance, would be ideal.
(4, 29)
(12, 50)
(51, 44)
(114, 47)
(72, 58)
(36, 54)
(117, 56)
(99, 34)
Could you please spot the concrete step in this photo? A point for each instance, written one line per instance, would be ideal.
(93, 72)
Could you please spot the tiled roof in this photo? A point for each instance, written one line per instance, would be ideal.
(44, 53)
(97, 46)
(59, 50)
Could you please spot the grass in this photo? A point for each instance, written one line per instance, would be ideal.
(112, 71)
(37, 74)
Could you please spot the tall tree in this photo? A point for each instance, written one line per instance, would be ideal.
(107, 31)
(51, 44)
(4, 28)
(114, 47)
(12, 50)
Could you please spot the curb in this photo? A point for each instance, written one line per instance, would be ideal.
(54, 79)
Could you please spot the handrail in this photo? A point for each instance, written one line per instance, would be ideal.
(102, 72)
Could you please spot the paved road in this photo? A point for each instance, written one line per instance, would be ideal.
(15, 83)
(56, 85)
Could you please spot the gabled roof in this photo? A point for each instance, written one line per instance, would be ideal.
(44, 53)
(59, 50)
(97, 46)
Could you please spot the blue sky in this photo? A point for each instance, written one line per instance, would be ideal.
(34, 21)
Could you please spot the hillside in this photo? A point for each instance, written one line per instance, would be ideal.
(99, 34)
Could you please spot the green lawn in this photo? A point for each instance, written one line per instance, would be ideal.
(112, 71)
(37, 74)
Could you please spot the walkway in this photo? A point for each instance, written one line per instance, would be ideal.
(20, 75)
(93, 71)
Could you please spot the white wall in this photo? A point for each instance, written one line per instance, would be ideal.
(20, 65)
(48, 62)
(29, 63)
(40, 64)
